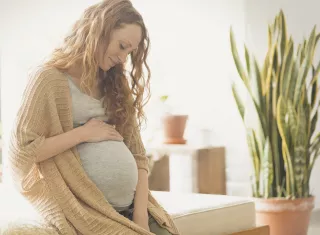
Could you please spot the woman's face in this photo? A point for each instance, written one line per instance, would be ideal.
(122, 42)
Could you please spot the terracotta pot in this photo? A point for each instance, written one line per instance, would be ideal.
(285, 216)
(174, 127)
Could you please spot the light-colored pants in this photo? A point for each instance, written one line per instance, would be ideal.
(153, 225)
(156, 229)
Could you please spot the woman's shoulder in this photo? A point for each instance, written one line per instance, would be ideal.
(48, 73)
(46, 78)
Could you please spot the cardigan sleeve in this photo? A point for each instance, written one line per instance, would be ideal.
(29, 131)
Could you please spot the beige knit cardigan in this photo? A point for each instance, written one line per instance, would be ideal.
(59, 188)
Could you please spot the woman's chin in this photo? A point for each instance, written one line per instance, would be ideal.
(105, 68)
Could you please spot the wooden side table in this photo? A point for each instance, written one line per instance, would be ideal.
(186, 168)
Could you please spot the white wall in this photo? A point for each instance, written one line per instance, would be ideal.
(301, 16)
(191, 58)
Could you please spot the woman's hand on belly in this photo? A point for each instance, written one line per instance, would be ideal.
(96, 131)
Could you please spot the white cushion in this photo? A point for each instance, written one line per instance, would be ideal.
(208, 214)
(193, 213)
(18, 217)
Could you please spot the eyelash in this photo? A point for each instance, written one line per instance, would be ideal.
(123, 48)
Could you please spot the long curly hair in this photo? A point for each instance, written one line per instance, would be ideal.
(127, 92)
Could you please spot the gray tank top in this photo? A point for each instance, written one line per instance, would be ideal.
(109, 164)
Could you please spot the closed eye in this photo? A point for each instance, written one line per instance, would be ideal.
(122, 47)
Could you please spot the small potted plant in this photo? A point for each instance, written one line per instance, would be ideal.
(174, 125)
(280, 119)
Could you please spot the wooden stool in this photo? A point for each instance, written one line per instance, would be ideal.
(185, 168)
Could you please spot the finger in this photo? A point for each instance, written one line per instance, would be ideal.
(110, 126)
(117, 136)
(119, 139)
(114, 138)
(108, 129)
(115, 131)
(111, 130)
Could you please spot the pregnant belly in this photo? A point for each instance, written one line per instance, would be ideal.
(112, 167)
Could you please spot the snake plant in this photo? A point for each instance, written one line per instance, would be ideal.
(281, 113)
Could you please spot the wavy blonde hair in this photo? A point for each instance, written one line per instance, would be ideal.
(124, 99)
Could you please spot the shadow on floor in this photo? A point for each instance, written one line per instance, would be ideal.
(315, 219)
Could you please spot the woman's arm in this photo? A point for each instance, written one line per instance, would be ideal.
(55, 145)
(133, 140)
(140, 214)
(93, 131)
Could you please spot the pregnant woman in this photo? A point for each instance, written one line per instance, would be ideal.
(75, 152)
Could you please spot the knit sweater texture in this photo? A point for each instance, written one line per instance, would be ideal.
(59, 188)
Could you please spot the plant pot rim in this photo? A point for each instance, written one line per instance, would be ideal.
(283, 199)
(275, 205)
